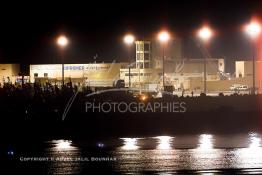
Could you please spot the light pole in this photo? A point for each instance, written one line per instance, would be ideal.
(62, 42)
(253, 30)
(129, 40)
(205, 34)
(163, 37)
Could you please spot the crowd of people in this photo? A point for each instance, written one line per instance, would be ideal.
(23, 101)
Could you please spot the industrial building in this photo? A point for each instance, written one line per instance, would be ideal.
(146, 70)
(9, 73)
(143, 71)
(97, 74)
(244, 70)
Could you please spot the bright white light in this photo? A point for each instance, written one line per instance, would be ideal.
(252, 155)
(254, 141)
(164, 142)
(253, 29)
(205, 141)
(62, 41)
(205, 33)
(130, 144)
(63, 145)
(129, 39)
(163, 36)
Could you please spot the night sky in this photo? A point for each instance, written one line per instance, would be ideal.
(28, 31)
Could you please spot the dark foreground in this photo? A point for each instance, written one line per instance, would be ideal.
(214, 135)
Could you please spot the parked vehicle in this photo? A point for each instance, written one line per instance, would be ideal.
(242, 88)
(239, 87)
(234, 87)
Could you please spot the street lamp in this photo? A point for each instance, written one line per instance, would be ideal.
(253, 30)
(205, 33)
(163, 37)
(129, 40)
(62, 42)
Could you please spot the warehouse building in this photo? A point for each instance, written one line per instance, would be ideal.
(148, 70)
(9, 73)
(97, 74)
(244, 70)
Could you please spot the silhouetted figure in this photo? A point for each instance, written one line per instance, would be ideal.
(183, 92)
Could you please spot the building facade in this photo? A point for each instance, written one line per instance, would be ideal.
(177, 72)
(244, 70)
(9, 73)
(97, 74)
(145, 71)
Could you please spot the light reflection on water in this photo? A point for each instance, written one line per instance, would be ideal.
(64, 154)
(255, 141)
(164, 142)
(129, 144)
(63, 145)
(205, 142)
(207, 155)
(204, 153)
(250, 157)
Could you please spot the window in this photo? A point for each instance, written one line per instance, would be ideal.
(35, 75)
(146, 47)
(134, 74)
(141, 65)
(139, 56)
(147, 74)
(140, 47)
(147, 65)
(146, 56)
(45, 74)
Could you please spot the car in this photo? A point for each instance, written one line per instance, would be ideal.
(242, 88)
(239, 87)
(234, 87)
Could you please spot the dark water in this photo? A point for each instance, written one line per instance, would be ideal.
(203, 154)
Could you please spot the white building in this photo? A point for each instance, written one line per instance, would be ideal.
(145, 71)
(9, 73)
(178, 72)
(142, 73)
(97, 74)
(244, 70)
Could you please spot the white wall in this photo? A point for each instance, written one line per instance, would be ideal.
(9, 70)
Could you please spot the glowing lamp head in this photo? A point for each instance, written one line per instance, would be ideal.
(163, 36)
(205, 33)
(129, 39)
(62, 41)
(253, 29)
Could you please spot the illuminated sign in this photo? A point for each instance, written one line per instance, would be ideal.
(87, 67)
